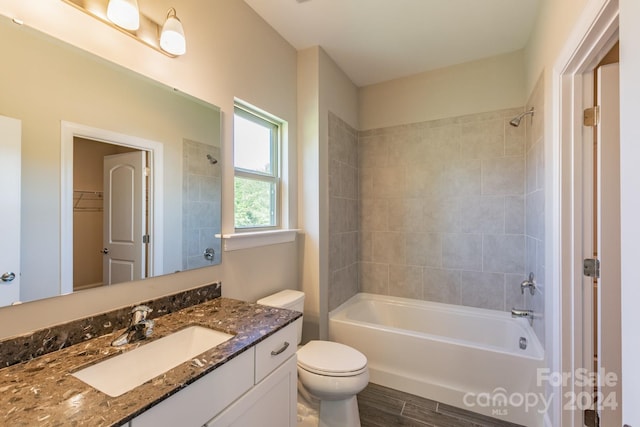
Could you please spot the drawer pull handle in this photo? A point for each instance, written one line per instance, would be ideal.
(281, 349)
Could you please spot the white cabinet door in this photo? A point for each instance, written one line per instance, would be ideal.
(10, 142)
(197, 403)
(271, 403)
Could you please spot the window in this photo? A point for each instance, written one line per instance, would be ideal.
(256, 144)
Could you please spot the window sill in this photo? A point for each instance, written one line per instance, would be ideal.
(255, 239)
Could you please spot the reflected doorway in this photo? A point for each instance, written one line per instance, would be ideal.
(155, 153)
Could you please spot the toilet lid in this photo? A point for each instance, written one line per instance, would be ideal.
(326, 357)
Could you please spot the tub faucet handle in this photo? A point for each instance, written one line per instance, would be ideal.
(528, 283)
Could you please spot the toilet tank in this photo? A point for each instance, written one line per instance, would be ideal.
(289, 299)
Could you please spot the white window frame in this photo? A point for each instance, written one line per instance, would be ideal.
(275, 177)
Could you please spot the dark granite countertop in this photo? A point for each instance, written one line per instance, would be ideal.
(42, 392)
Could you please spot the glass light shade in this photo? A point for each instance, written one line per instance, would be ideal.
(124, 13)
(172, 37)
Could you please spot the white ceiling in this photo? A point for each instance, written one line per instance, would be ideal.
(379, 40)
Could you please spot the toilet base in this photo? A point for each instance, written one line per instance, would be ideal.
(339, 413)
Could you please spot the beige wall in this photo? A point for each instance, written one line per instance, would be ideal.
(486, 85)
(309, 184)
(553, 25)
(322, 88)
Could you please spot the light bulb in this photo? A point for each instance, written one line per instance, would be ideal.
(172, 38)
(124, 13)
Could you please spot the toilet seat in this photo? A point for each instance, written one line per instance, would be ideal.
(331, 359)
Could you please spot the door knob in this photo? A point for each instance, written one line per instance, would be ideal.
(105, 251)
(8, 277)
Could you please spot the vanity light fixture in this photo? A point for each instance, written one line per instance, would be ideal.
(172, 38)
(124, 13)
(126, 17)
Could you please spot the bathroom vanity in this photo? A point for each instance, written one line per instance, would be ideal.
(261, 383)
(250, 379)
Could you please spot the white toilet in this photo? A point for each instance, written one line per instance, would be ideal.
(328, 371)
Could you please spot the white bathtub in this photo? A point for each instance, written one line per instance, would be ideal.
(462, 356)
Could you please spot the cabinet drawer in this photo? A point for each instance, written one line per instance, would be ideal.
(276, 349)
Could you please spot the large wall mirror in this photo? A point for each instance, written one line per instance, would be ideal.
(110, 162)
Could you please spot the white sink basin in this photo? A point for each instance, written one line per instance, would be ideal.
(128, 370)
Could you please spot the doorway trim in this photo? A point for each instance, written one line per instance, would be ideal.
(69, 131)
(594, 34)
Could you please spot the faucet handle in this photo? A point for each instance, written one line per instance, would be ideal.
(140, 313)
(528, 283)
(143, 308)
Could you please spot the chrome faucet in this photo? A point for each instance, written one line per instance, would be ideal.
(518, 312)
(528, 283)
(139, 328)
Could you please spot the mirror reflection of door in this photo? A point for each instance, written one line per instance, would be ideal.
(11, 136)
(110, 215)
(123, 219)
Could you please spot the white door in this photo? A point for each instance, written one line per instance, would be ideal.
(124, 217)
(608, 248)
(10, 141)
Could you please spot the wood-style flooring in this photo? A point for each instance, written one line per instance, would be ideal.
(384, 407)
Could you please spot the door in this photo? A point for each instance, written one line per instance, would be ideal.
(608, 295)
(124, 217)
(11, 137)
(601, 216)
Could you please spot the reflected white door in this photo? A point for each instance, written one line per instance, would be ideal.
(124, 217)
(10, 141)
(608, 228)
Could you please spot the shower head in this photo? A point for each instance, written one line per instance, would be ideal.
(515, 122)
(212, 159)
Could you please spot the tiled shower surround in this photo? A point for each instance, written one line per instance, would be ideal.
(442, 210)
(343, 211)
(436, 210)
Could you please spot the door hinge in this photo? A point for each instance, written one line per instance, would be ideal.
(591, 418)
(147, 171)
(591, 267)
(146, 238)
(592, 116)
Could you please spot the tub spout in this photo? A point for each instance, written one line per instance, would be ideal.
(517, 312)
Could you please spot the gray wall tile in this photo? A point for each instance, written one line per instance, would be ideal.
(441, 285)
(479, 214)
(405, 281)
(503, 253)
(483, 290)
(462, 251)
(503, 176)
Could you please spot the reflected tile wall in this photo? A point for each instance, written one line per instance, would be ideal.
(442, 210)
(343, 212)
(200, 204)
